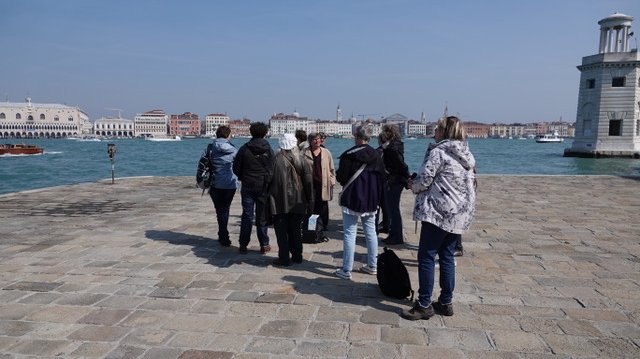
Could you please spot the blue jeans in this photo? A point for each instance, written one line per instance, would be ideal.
(350, 224)
(222, 199)
(252, 202)
(392, 193)
(289, 236)
(434, 240)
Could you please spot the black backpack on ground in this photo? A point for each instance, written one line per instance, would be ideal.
(393, 277)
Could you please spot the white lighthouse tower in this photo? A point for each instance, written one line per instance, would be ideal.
(608, 116)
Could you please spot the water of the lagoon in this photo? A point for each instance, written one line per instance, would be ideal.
(70, 161)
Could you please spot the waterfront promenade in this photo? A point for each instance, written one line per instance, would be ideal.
(131, 270)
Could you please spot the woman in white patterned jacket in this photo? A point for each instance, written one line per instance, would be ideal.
(445, 204)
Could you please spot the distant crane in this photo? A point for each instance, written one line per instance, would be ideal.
(115, 109)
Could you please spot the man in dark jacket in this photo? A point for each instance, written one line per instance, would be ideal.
(254, 167)
(361, 175)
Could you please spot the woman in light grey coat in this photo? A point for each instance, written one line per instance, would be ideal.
(445, 204)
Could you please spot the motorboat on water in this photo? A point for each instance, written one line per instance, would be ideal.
(20, 149)
(164, 139)
(550, 138)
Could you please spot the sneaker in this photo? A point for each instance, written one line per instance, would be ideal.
(443, 309)
(342, 274)
(265, 249)
(458, 253)
(369, 270)
(242, 249)
(418, 312)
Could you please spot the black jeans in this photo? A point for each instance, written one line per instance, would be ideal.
(222, 199)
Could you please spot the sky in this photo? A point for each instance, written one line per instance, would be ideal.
(489, 61)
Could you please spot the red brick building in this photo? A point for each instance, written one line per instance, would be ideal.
(187, 124)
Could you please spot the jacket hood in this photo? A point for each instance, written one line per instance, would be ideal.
(223, 146)
(458, 150)
(258, 146)
(362, 153)
(396, 146)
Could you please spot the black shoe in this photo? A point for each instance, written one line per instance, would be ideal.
(383, 230)
(242, 249)
(226, 243)
(280, 263)
(458, 253)
(418, 312)
(265, 249)
(296, 259)
(443, 309)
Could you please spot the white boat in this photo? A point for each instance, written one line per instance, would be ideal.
(163, 139)
(550, 138)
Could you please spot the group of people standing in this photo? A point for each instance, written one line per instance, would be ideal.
(286, 187)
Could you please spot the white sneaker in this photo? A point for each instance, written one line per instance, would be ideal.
(369, 270)
(342, 274)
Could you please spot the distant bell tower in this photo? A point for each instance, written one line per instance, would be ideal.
(338, 114)
(608, 114)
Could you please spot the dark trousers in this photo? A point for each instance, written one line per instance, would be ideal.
(222, 199)
(252, 202)
(289, 236)
(382, 217)
(392, 194)
(436, 241)
(321, 207)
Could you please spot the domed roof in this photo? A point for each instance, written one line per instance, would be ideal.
(615, 19)
(396, 117)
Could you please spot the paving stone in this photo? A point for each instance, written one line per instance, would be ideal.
(275, 298)
(374, 350)
(125, 352)
(470, 339)
(238, 325)
(162, 353)
(415, 336)
(518, 342)
(327, 330)
(13, 311)
(92, 350)
(193, 340)
(147, 337)
(41, 347)
(276, 346)
(105, 316)
(283, 328)
(143, 318)
(15, 328)
(205, 354)
(376, 316)
(322, 349)
(33, 286)
(99, 333)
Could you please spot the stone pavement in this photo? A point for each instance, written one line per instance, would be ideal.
(551, 269)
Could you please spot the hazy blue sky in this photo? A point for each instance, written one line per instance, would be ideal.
(490, 61)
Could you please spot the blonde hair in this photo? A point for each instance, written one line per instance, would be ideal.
(452, 128)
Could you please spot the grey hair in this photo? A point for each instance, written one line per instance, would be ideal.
(363, 133)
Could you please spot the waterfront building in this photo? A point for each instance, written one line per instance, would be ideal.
(476, 129)
(499, 130)
(151, 124)
(187, 124)
(239, 128)
(114, 127)
(416, 129)
(608, 114)
(335, 128)
(42, 120)
(279, 123)
(213, 121)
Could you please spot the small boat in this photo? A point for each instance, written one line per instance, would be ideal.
(163, 139)
(20, 149)
(550, 138)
